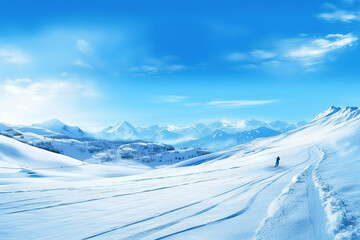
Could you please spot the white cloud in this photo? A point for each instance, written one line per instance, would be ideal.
(261, 54)
(236, 57)
(12, 55)
(24, 100)
(80, 63)
(154, 65)
(271, 63)
(64, 74)
(303, 51)
(83, 46)
(341, 15)
(238, 103)
(318, 48)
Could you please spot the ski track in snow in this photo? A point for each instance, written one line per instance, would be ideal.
(327, 216)
(248, 205)
(229, 195)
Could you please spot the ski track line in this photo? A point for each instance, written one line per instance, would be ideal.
(23, 200)
(164, 213)
(114, 196)
(164, 226)
(29, 204)
(236, 214)
(200, 212)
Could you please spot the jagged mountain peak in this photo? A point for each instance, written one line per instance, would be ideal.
(337, 114)
(121, 126)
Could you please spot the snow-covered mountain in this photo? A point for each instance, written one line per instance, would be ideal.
(57, 126)
(313, 194)
(336, 115)
(123, 130)
(220, 140)
(239, 126)
(191, 132)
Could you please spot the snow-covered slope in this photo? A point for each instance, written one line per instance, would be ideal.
(19, 160)
(4, 127)
(57, 126)
(234, 194)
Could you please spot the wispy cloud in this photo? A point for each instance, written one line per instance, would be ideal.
(238, 103)
(261, 54)
(337, 14)
(80, 63)
(189, 102)
(318, 48)
(155, 65)
(39, 99)
(172, 98)
(304, 51)
(236, 57)
(83, 46)
(12, 55)
(341, 15)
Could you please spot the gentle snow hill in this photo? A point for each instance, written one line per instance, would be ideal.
(57, 126)
(233, 194)
(18, 159)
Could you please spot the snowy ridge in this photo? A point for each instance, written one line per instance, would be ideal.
(57, 126)
(337, 115)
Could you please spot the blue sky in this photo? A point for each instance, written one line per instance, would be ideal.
(176, 62)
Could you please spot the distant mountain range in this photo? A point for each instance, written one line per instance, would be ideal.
(220, 140)
(215, 136)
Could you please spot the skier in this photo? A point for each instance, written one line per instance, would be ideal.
(277, 161)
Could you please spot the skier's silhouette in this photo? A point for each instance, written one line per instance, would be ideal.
(277, 161)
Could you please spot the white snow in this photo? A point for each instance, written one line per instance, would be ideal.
(233, 194)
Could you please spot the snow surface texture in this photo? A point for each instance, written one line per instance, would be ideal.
(233, 194)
